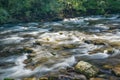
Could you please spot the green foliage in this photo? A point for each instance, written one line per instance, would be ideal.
(3, 15)
(35, 10)
(8, 79)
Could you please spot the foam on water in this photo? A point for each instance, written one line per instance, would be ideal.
(16, 71)
(102, 26)
(57, 38)
(63, 64)
(93, 18)
(13, 39)
(98, 56)
(66, 63)
(19, 70)
(74, 19)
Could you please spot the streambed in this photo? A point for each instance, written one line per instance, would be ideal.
(36, 49)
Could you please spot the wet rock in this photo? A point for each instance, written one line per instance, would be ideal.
(28, 50)
(37, 43)
(79, 77)
(53, 77)
(67, 77)
(96, 41)
(115, 44)
(29, 79)
(27, 61)
(97, 79)
(75, 76)
(29, 36)
(107, 50)
(31, 55)
(32, 67)
(107, 66)
(70, 74)
(116, 70)
(43, 78)
(10, 50)
(86, 68)
(61, 33)
(113, 78)
(32, 64)
(56, 47)
(59, 38)
(105, 76)
(69, 46)
(64, 46)
(112, 27)
(96, 51)
(70, 69)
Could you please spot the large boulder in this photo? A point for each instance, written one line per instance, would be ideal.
(86, 68)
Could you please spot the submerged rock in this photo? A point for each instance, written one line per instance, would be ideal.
(115, 44)
(107, 66)
(64, 46)
(66, 77)
(96, 41)
(28, 50)
(107, 50)
(97, 79)
(86, 68)
(113, 68)
(28, 36)
(43, 78)
(116, 70)
(30, 78)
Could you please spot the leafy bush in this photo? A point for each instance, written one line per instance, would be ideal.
(3, 16)
(36, 10)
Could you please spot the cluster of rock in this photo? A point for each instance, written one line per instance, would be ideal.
(81, 71)
(51, 47)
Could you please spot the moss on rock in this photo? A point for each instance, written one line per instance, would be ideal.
(86, 68)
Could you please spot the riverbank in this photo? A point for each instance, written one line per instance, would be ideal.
(37, 11)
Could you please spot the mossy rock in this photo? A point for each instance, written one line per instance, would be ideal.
(29, 79)
(43, 78)
(86, 68)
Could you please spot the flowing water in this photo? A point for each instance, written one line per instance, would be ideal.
(28, 49)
